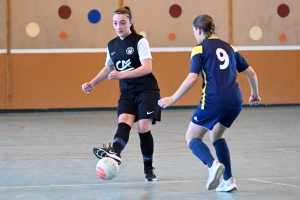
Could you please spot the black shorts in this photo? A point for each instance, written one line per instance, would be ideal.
(143, 105)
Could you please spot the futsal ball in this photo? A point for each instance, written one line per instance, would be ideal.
(107, 168)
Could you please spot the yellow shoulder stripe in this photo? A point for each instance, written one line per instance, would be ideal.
(196, 50)
(235, 50)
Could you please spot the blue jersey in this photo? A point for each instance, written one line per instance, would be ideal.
(218, 63)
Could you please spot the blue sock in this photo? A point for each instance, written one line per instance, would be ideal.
(201, 151)
(223, 155)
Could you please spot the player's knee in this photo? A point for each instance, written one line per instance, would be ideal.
(215, 136)
(144, 129)
(144, 126)
(188, 139)
(126, 118)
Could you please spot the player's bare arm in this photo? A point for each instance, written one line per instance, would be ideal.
(101, 76)
(145, 69)
(187, 84)
(252, 78)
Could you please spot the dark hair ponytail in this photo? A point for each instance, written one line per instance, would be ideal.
(126, 11)
(206, 23)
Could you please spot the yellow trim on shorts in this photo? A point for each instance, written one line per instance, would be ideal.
(204, 90)
(196, 50)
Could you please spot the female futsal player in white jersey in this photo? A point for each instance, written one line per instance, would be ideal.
(129, 60)
(218, 63)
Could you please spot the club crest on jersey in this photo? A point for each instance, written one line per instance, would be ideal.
(129, 50)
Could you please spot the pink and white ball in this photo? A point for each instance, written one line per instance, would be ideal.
(107, 168)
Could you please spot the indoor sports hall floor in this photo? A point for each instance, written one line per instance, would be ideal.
(49, 156)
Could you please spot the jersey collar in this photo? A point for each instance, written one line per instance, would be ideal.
(213, 37)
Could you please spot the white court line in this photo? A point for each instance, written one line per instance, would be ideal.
(275, 183)
(129, 183)
(266, 48)
(240, 48)
(156, 49)
(96, 184)
(288, 177)
(73, 50)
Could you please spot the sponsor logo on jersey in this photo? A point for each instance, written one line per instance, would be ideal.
(125, 65)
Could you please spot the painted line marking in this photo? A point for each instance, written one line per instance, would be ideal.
(139, 182)
(275, 183)
(156, 49)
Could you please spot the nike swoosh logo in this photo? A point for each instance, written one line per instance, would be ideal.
(148, 113)
(112, 152)
(113, 53)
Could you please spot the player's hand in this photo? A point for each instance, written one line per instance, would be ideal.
(165, 102)
(254, 100)
(87, 87)
(115, 75)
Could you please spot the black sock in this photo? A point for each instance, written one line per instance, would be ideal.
(121, 137)
(147, 148)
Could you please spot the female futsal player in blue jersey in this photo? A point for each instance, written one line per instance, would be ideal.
(129, 60)
(218, 63)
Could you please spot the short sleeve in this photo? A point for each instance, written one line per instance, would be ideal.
(144, 49)
(242, 64)
(196, 60)
(108, 61)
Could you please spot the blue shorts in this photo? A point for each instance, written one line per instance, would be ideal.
(208, 119)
